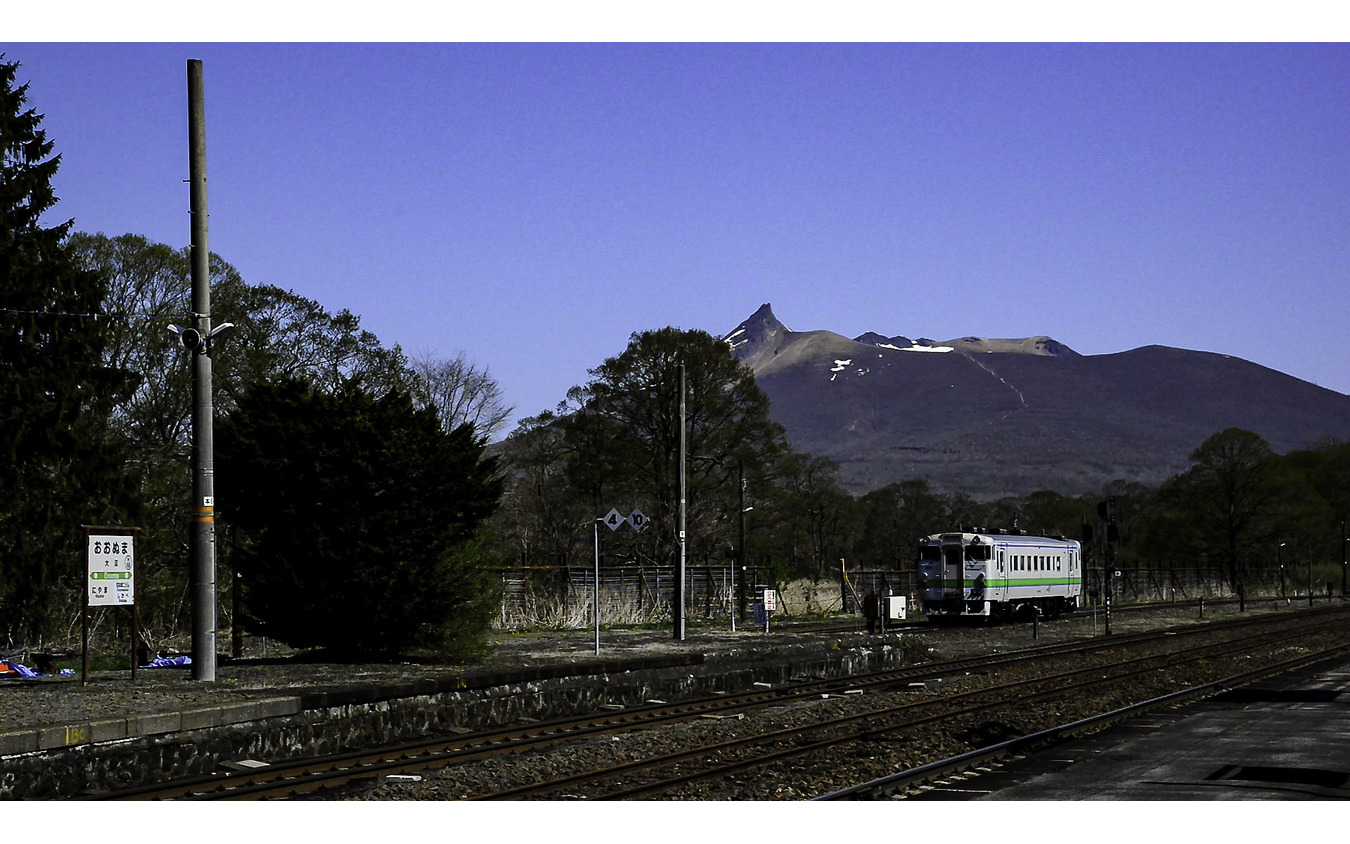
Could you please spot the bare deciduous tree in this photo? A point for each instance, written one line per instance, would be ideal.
(460, 392)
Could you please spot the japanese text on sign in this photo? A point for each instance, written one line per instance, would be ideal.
(111, 567)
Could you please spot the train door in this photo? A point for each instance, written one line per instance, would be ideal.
(1075, 578)
(1001, 577)
(953, 572)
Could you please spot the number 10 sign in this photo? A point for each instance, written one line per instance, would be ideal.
(111, 571)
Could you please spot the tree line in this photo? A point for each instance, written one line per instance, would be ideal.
(1239, 510)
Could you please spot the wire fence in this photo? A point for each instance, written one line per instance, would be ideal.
(561, 597)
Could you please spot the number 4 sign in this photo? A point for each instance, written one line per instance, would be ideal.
(636, 520)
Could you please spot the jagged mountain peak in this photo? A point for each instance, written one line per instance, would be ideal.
(758, 338)
(758, 324)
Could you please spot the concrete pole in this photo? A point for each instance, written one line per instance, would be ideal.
(1310, 583)
(679, 575)
(203, 529)
(739, 609)
(596, 527)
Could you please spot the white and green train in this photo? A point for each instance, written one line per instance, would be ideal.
(999, 575)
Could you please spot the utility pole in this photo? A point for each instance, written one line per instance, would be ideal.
(596, 526)
(1310, 598)
(679, 575)
(1279, 560)
(203, 527)
(739, 609)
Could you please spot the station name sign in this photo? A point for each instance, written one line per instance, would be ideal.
(111, 567)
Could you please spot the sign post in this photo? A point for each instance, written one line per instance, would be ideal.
(613, 520)
(110, 565)
(770, 606)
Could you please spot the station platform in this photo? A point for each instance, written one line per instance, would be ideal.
(1283, 738)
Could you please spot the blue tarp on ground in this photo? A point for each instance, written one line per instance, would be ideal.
(167, 661)
(16, 668)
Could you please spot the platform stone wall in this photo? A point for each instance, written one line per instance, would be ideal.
(339, 721)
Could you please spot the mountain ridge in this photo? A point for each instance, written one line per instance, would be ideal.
(1011, 416)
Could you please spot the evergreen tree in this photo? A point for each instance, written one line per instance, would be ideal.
(58, 465)
(357, 521)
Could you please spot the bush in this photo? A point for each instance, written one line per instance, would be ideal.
(356, 522)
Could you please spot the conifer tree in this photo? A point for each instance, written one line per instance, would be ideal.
(58, 467)
(354, 522)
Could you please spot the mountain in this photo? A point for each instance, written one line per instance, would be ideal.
(993, 417)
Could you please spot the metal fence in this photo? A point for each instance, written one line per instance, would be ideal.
(559, 597)
(562, 597)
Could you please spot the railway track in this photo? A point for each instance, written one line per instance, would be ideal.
(330, 774)
(791, 745)
(914, 781)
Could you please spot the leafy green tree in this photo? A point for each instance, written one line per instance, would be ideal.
(1225, 498)
(58, 465)
(1312, 507)
(630, 413)
(357, 521)
(809, 517)
(278, 335)
(895, 518)
(148, 287)
(541, 520)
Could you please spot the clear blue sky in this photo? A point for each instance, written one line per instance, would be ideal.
(534, 204)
